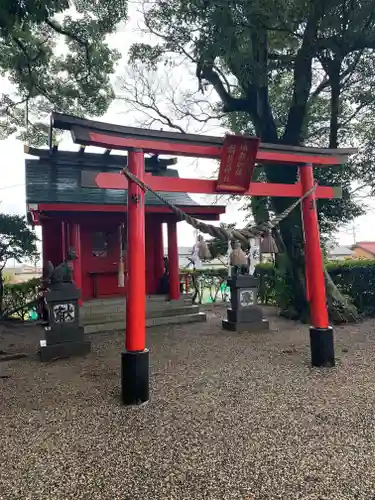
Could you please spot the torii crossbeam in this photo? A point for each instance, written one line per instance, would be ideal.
(238, 156)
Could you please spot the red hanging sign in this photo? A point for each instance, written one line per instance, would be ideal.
(237, 163)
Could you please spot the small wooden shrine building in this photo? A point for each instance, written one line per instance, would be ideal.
(94, 221)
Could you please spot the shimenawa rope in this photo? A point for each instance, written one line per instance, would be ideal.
(242, 235)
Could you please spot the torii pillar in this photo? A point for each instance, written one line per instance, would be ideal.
(321, 334)
(135, 358)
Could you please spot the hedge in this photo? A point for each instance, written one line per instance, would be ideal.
(354, 278)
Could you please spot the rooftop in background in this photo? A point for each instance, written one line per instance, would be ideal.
(367, 246)
(339, 251)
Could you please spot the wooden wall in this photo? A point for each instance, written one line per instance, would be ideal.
(103, 269)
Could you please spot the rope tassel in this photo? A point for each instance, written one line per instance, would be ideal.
(242, 235)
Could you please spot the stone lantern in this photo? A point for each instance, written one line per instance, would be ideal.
(244, 313)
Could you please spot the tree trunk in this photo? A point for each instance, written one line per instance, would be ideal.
(340, 309)
(1, 292)
(292, 265)
(293, 303)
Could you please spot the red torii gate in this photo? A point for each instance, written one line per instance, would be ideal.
(238, 154)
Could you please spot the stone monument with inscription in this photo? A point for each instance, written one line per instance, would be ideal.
(63, 335)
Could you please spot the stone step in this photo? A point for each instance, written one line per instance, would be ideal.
(120, 300)
(100, 316)
(167, 320)
(114, 307)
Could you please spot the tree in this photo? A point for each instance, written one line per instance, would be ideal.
(54, 56)
(17, 241)
(317, 55)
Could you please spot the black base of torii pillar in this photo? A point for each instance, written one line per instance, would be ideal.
(322, 346)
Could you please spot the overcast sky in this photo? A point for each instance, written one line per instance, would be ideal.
(12, 184)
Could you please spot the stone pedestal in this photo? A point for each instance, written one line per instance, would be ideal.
(63, 335)
(244, 315)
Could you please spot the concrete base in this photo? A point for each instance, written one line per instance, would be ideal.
(245, 315)
(254, 326)
(64, 334)
(64, 350)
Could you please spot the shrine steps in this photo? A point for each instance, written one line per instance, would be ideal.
(104, 315)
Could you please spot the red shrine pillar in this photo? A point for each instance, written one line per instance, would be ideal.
(75, 242)
(306, 254)
(174, 266)
(64, 245)
(45, 256)
(321, 334)
(159, 252)
(135, 358)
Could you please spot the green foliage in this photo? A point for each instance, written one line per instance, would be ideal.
(55, 56)
(17, 298)
(267, 283)
(17, 240)
(275, 287)
(355, 279)
(7, 277)
(17, 12)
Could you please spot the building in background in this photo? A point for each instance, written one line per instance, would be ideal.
(340, 253)
(364, 250)
(22, 273)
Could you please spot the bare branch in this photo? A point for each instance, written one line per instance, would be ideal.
(162, 100)
(324, 84)
(143, 97)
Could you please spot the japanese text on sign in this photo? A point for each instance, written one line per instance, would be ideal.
(237, 163)
(63, 313)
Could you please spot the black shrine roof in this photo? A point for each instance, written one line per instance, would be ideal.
(55, 177)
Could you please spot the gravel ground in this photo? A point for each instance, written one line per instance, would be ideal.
(231, 417)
